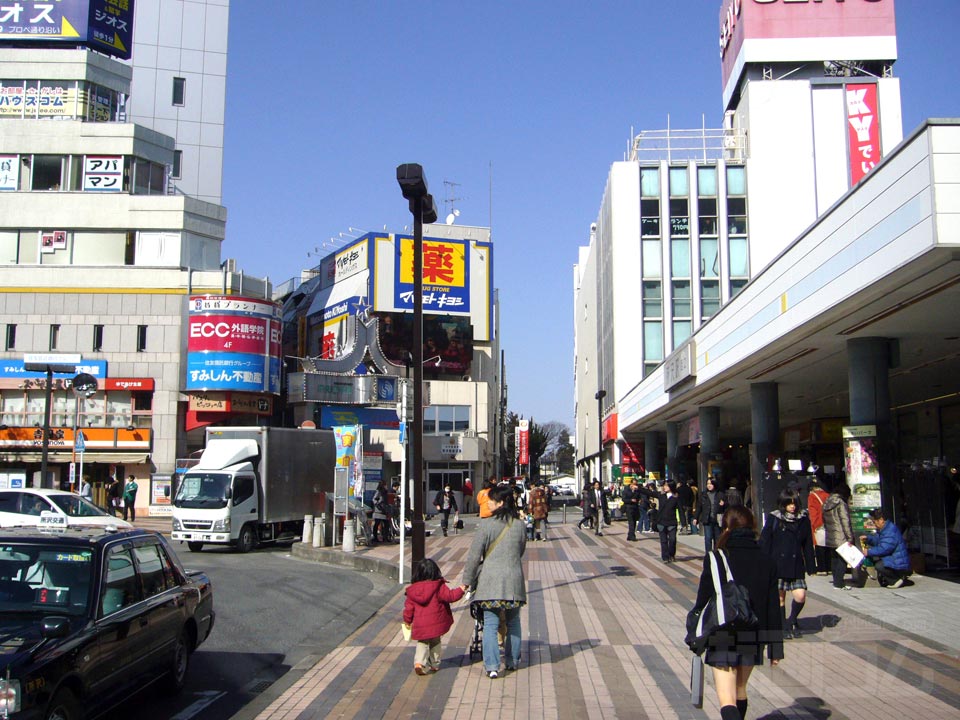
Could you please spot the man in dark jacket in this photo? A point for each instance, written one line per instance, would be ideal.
(631, 508)
(668, 518)
(888, 551)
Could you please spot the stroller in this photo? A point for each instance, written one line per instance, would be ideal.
(476, 643)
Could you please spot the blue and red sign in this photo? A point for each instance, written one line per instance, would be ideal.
(104, 25)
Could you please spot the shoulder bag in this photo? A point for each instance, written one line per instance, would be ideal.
(729, 608)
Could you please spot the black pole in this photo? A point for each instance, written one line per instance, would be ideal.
(601, 394)
(418, 539)
(46, 428)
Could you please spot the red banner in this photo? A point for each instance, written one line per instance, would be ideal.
(863, 127)
(523, 443)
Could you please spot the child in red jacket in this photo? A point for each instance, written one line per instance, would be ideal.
(427, 611)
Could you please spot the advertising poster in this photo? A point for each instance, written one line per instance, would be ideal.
(347, 439)
(863, 127)
(446, 275)
(106, 25)
(9, 168)
(103, 173)
(863, 476)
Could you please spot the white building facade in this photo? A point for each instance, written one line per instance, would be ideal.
(787, 281)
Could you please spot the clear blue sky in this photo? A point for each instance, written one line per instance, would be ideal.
(523, 104)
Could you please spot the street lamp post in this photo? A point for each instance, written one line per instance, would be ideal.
(413, 185)
(49, 363)
(601, 394)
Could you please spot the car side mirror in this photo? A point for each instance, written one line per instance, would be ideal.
(55, 627)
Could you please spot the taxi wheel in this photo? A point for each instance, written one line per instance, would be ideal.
(180, 663)
(195, 546)
(247, 540)
(64, 706)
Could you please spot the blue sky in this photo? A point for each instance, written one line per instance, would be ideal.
(524, 105)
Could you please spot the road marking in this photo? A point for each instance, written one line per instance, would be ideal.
(207, 698)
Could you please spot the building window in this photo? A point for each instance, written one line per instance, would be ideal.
(707, 200)
(652, 300)
(98, 337)
(444, 419)
(680, 258)
(46, 171)
(737, 244)
(652, 260)
(179, 91)
(652, 345)
(11, 343)
(682, 312)
(54, 336)
(177, 164)
(709, 298)
(650, 202)
(141, 338)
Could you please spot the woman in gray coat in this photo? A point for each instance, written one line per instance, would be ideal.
(836, 523)
(494, 571)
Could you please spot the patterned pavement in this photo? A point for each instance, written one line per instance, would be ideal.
(603, 638)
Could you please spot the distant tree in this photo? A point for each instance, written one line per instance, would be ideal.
(546, 442)
(565, 454)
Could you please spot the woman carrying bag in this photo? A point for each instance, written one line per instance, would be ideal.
(788, 539)
(732, 654)
(494, 572)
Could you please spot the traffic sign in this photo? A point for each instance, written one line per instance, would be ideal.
(80, 443)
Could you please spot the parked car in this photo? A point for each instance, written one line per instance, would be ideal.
(88, 616)
(27, 506)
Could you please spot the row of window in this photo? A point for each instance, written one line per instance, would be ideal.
(97, 345)
(24, 407)
(443, 419)
(70, 99)
(86, 173)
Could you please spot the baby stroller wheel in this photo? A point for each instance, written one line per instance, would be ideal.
(476, 643)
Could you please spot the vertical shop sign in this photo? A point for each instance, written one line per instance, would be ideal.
(863, 130)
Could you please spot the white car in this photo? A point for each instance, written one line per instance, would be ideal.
(35, 506)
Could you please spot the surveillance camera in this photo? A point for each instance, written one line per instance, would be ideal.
(593, 227)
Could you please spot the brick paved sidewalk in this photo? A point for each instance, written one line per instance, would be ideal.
(603, 633)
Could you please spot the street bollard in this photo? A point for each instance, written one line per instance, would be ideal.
(564, 513)
(307, 529)
(323, 530)
(318, 539)
(349, 537)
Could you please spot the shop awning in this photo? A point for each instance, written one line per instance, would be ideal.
(118, 458)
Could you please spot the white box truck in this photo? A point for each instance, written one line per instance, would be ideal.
(253, 485)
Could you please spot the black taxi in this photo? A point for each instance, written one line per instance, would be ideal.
(90, 615)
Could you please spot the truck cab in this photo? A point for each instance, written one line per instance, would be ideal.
(217, 500)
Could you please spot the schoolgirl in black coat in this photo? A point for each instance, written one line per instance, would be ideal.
(787, 539)
(733, 654)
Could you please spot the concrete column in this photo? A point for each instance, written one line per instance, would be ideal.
(652, 459)
(765, 439)
(673, 440)
(709, 440)
(868, 379)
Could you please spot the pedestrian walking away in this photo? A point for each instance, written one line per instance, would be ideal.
(484, 508)
(788, 540)
(426, 611)
(587, 507)
(445, 503)
(837, 530)
(130, 498)
(684, 502)
(493, 571)
(732, 655)
(540, 510)
(815, 501)
(667, 519)
(381, 514)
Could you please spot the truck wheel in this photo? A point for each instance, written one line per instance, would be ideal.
(247, 540)
(195, 546)
(63, 707)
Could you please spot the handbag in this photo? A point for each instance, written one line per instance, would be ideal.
(820, 536)
(696, 681)
(406, 629)
(457, 522)
(729, 608)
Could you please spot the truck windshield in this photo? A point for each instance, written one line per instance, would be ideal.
(202, 490)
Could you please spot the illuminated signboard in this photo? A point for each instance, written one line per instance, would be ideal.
(233, 343)
(103, 25)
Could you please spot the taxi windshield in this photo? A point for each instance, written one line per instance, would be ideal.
(75, 506)
(47, 578)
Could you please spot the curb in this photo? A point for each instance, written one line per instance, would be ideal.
(361, 563)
